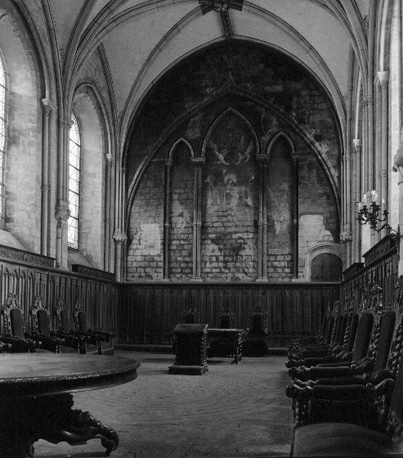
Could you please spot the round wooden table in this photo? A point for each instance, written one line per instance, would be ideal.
(36, 399)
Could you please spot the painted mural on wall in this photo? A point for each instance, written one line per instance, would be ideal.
(180, 240)
(230, 202)
(145, 253)
(280, 192)
(227, 108)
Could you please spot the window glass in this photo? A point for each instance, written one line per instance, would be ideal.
(74, 182)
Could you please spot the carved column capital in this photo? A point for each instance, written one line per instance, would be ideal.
(119, 236)
(62, 210)
(346, 236)
(198, 160)
(48, 106)
(262, 159)
(383, 78)
(356, 145)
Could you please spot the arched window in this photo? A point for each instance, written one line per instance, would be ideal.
(74, 182)
(2, 137)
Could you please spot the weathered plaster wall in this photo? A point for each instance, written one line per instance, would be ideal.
(230, 105)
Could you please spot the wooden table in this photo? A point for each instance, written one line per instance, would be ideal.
(225, 343)
(36, 399)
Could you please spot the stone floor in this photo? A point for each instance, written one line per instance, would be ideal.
(232, 411)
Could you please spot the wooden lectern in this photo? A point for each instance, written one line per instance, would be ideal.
(191, 349)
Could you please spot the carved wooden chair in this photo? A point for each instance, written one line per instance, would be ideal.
(352, 420)
(256, 336)
(364, 331)
(191, 315)
(386, 357)
(332, 337)
(376, 360)
(40, 327)
(224, 341)
(65, 331)
(321, 337)
(14, 327)
(226, 318)
(92, 336)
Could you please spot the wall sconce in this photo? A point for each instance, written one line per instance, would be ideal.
(373, 215)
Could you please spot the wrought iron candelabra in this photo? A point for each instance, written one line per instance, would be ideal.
(373, 215)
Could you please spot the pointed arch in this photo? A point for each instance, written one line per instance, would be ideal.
(276, 137)
(217, 121)
(178, 142)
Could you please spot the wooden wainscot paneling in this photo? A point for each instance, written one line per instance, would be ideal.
(28, 275)
(380, 268)
(148, 312)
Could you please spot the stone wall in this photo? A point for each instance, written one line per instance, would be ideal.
(236, 108)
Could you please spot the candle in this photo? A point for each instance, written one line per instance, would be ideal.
(364, 199)
(374, 195)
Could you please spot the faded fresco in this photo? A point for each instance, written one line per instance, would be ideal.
(230, 202)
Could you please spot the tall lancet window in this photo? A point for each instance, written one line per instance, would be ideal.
(2, 138)
(74, 182)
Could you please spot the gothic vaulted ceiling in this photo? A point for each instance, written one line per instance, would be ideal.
(141, 39)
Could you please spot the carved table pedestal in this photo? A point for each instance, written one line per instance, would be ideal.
(36, 400)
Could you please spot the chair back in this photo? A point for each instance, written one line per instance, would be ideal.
(62, 317)
(226, 318)
(191, 316)
(17, 327)
(39, 317)
(329, 328)
(14, 322)
(386, 332)
(338, 329)
(64, 320)
(43, 323)
(258, 322)
(351, 331)
(363, 336)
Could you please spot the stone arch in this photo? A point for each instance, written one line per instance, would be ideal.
(280, 192)
(321, 248)
(179, 211)
(218, 120)
(23, 167)
(178, 142)
(94, 189)
(278, 136)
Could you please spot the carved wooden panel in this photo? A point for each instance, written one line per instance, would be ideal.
(150, 312)
(99, 297)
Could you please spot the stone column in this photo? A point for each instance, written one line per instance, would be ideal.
(353, 232)
(167, 217)
(47, 106)
(347, 201)
(62, 215)
(383, 190)
(295, 225)
(262, 160)
(108, 211)
(62, 207)
(119, 238)
(398, 167)
(197, 217)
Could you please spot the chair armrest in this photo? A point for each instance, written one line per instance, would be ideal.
(358, 403)
(315, 373)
